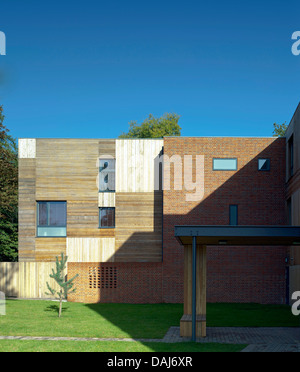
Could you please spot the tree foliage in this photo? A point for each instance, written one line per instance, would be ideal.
(8, 194)
(65, 286)
(279, 129)
(166, 125)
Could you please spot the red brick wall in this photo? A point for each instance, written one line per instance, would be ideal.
(235, 274)
(123, 282)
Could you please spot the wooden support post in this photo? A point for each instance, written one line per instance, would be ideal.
(200, 298)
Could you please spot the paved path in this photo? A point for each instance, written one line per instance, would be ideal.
(262, 339)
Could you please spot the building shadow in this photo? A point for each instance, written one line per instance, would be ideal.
(234, 274)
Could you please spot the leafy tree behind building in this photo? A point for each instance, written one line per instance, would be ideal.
(152, 127)
(8, 194)
(279, 129)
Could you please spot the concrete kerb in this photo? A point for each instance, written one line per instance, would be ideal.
(263, 339)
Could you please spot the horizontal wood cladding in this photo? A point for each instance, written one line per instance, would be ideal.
(135, 170)
(67, 169)
(107, 147)
(27, 209)
(138, 229)
(83, 220)
(46, 249)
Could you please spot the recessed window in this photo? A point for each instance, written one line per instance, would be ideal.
(224, 164)
(233, 214)
(289, 211)
(107, 175)
(106, 217)
(290, 157)
(51, 219)
(263, 164)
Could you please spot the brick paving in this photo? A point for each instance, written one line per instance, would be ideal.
(260, 339)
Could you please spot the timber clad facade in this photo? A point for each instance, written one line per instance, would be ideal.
(101, 202)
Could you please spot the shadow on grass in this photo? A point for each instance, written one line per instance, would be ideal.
(140, 320)
(55, 308)
(152, 321)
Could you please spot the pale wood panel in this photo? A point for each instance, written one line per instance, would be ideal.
(138, 227)
(46, 249)
(9, 282)
(90, 249)
(135, 169)
(26, 279)
(107, 199)
(27, 148)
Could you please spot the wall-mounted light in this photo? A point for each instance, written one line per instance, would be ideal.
(222, 242)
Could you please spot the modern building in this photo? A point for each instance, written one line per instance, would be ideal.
(111, 205)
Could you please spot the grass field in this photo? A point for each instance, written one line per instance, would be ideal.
(40, 318)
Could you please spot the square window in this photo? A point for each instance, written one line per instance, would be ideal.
(106, 217)
(263, 164)
(51, 219)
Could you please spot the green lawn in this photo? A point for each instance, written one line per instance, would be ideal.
(40, 318)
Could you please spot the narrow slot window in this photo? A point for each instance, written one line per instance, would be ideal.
(233, 215)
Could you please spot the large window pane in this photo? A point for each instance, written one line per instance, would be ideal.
(52, 231)
(42, 214)
(57, 214)
(225, 164)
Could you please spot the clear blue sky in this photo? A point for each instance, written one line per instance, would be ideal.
(86, 68)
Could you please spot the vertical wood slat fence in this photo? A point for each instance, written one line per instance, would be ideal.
(26, 279)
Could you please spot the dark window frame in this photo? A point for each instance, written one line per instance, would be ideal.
(114, 217)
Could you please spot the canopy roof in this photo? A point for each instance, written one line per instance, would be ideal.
(238, 235)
